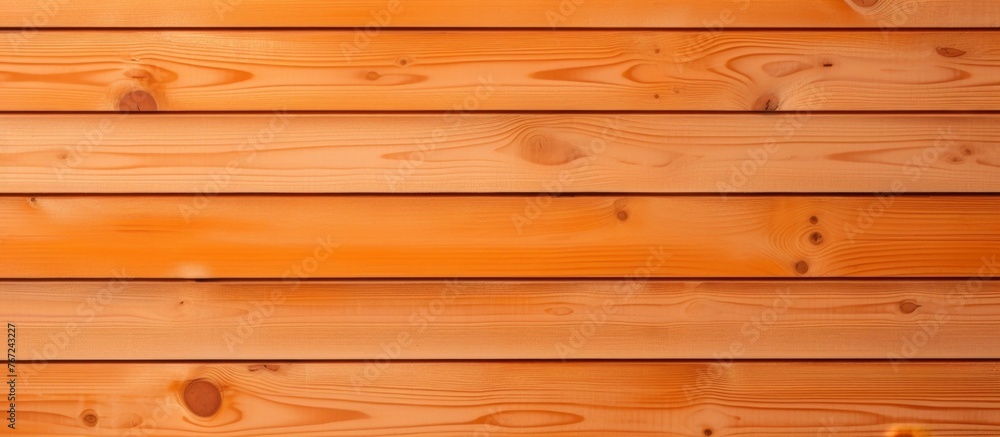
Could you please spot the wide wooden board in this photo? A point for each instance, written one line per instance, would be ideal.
(464, 71)
(359, 320)
(684, 399)
(296, 236)
(374, 15)
(491, 153)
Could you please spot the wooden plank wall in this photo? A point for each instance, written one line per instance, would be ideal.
(529, 217)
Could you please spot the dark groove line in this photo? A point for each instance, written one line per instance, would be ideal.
(487, 195)
(558, 361)
(512, 279)
(497, 29)
(517, 112)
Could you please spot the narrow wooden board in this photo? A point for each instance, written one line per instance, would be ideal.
(486, 153)
(368, 320)
(865, 399)
(374, 15)
(462, 71)
(266, 236)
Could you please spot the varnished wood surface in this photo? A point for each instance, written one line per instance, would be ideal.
(684, 399)
(373, 15)
(519, 217)
(488, 153)
(123, 319)
(204, 236)
(462, 71)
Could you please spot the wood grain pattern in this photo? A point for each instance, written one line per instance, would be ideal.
(483, 153)
(202, 236)
(463, 71)
(514, 398)
(359, 320)
(710, 15)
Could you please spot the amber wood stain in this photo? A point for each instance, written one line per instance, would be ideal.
(491, 153)
(528, 217)
(473, 70)
(536, 398)
(269, 320)
(178, 236)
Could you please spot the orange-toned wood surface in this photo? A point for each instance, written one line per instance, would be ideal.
(555, 320)
(203, 236)
(683, 399)
(711, 16)
(289, 152)
(679, 218)
(461, 71)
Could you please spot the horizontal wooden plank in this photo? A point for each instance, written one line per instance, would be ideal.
(368, 320)
(687, 399)
(482, 153)
(710, 15)
(462, 71)
(203, 236)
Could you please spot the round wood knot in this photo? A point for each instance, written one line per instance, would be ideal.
(802, 267)
(766, 103)
(865, 3)
(545, 150)
(202, 398)
(816, 238)
(89, 418)
(137, 101)
(373, 76)
(908, 306)
(707, 432)
(950, 52)
(814, 220)
(622, 215)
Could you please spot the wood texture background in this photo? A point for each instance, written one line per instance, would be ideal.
(622, 319)
(461, 71)
(199, 236)
(517, 398)
(450, 218)
(287, 152)
(712, 14)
